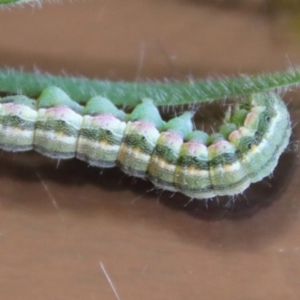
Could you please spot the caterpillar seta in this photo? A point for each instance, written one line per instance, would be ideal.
(170, 154)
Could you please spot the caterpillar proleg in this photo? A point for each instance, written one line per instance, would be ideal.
(170, 154)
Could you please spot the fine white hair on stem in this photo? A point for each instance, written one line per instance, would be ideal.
(109, 281)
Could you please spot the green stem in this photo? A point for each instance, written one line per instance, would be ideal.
(162, 93)
(4, 3)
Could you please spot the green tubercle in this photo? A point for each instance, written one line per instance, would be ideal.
(54, 97)
(19, 99)
(181, 125)
(147, 111)
(99, 105)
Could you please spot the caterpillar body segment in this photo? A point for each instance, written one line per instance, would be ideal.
(166, 153)
(99, 140)
(56, 132)
(170, 154)
(17, 123)
(138, 144)
(192, 171)
(140, 139)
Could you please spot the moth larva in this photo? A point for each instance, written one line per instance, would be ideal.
(171, 154)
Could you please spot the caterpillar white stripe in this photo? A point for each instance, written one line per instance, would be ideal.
(170, 154)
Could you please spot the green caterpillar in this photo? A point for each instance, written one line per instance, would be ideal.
(171, 154)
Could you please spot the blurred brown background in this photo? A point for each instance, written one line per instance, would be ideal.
(65, 227)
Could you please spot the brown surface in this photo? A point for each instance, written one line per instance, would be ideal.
(57, 224)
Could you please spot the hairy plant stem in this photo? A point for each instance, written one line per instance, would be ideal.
(8, 3)
(131, 93)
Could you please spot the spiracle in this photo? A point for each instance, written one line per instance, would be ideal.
(170, 154)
